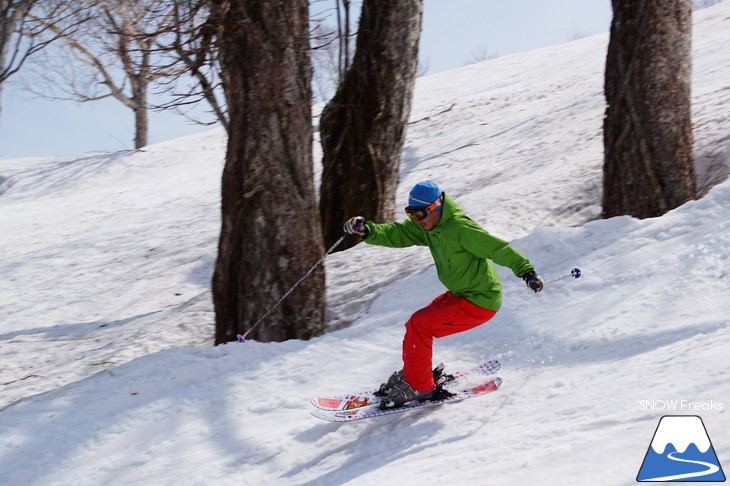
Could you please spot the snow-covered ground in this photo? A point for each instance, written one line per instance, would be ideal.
(108, 376)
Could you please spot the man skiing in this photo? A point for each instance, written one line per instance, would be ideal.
(463, 253)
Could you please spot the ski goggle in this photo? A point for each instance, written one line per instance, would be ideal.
(419, 213)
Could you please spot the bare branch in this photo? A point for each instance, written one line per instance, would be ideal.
(22, 35)
(122, 55)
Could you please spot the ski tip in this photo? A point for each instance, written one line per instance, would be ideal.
(487, 387)
(321, 416)
(343, 416)
(328, 403)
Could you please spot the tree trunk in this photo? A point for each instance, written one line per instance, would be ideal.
(648, 161)
(141, 127)
(141, 113)
(363, 127)
(11, 15)
(270, 233)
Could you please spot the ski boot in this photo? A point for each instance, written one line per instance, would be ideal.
(397, 392)
(439, 378)
(392, 380)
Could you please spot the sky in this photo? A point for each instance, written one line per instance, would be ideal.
(454, 32)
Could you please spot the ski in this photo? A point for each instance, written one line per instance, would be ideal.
(370, 411)
(366, 398)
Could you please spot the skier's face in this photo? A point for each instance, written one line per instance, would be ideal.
(430, 221)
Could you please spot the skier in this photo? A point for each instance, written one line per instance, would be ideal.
(462, 251)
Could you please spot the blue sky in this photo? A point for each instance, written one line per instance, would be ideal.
(453, 31)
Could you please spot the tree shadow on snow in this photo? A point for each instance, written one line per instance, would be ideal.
(43, 178)
(71, 332)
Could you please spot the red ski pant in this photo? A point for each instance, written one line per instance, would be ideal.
(446, 315)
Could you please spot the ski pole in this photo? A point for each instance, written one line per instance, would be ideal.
(575, 273)
(242, 337)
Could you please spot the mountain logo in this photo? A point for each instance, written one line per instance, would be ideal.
(681, 451)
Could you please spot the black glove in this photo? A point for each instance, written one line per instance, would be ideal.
(356, 226)
(533, 281)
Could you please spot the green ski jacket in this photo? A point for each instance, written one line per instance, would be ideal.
(462, 250)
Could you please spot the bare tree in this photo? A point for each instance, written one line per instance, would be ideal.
(325, 61)
(188, 51)
(113, 57)
(270, 234)
(22, 35)
(363, 127)
(648, 162)
(481, 53)
(13, 53)
(332, 47)
(423, 67)
(343, 35)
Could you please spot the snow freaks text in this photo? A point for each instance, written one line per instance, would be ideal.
(684, 406)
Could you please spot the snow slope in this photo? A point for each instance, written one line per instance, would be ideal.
(107, 375)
